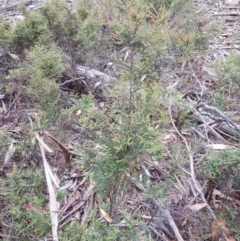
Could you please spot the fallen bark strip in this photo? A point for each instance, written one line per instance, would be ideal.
(227, 14)
(231, 7)
(229, 48)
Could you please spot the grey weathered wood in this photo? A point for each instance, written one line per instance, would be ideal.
(94, 79)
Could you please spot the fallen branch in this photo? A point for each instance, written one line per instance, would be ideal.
(94, 79)
(172, 224)
(198, 115)
(159, 235)
(199, 82)
(229, 122)
(68, 81)
(196, 184)
(219, 121)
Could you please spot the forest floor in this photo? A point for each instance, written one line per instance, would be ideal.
(201, 149)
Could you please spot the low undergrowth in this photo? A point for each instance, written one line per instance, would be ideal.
(127, 157)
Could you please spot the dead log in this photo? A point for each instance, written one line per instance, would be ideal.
(95, 80)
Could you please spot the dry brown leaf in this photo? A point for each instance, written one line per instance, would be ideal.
(65, 151)
(14, 56)
(184, 64)
(147, 217)
(143, 78)
(78, 113)
(184, 222)
(219, 230)
(197, 207)
(169, 138)
(220, 194)
(30, 207)
(215, 229)
(176, 197)
(106, 216)
(10, 152)
(231, 238)
(18, 128)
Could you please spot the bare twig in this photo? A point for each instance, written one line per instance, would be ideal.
(191, 186)
(197, 194)
(87, 210)
(159, 235)
(208, 126)
(172, 224)
(9, 108)
(76, 208)
(196, 184)
(67, 82)
(205, 137)
(162, 171)
(199, 83)
(180, 187)
(136, 183)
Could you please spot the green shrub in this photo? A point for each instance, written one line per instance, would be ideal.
(59, 19)
(44, 65)
(45, 93)
(128, 127)
(122, 137)
(5, 33)
(24, 202)
(88, 32)
(232, 68)
(28, 31)
(217, 161)
(164, 3)
(228, 79)
(103, 232)
(44, 61)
